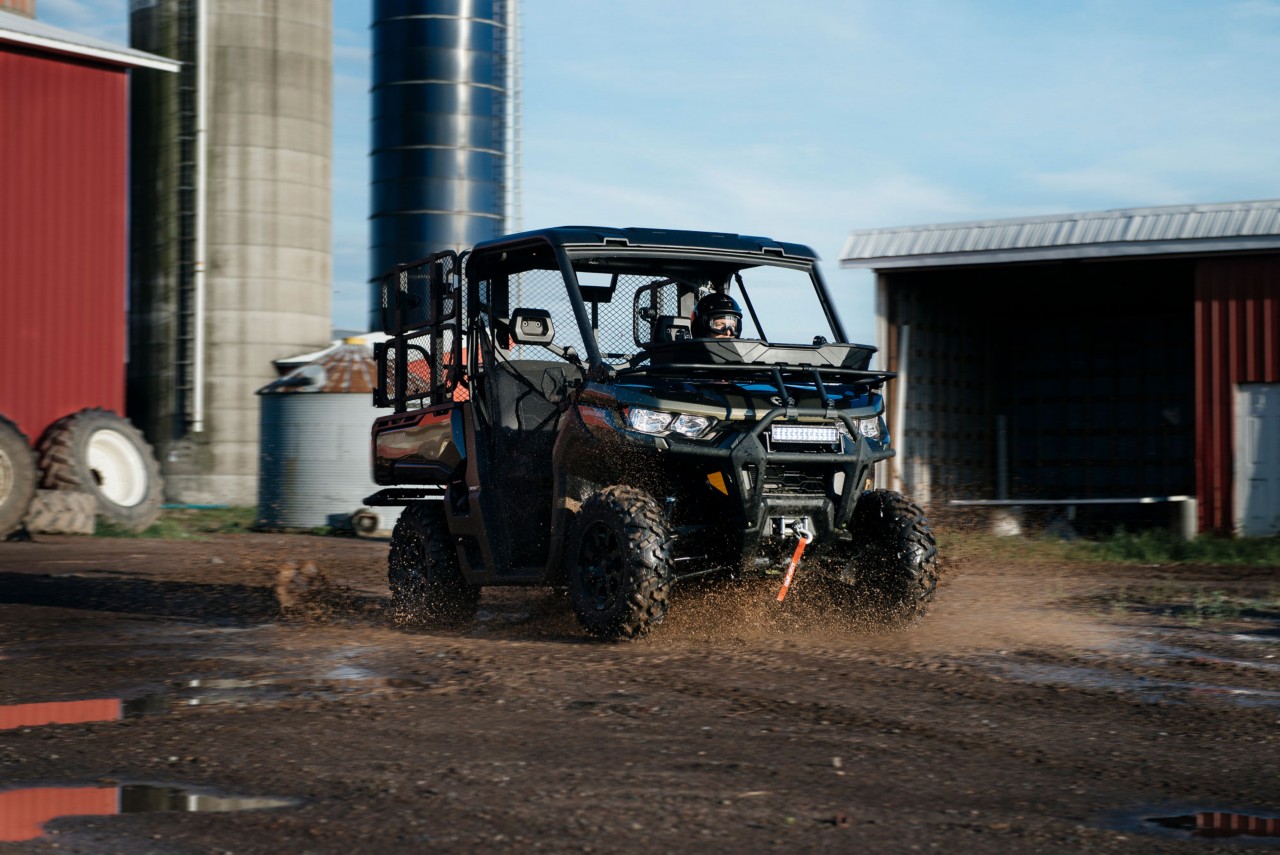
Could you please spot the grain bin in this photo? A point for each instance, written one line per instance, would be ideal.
(313, 466)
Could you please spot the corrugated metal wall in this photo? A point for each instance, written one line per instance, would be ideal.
(1237, 341)
(314, 468)
(62, 237)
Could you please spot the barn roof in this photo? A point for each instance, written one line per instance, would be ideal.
(19, 30)
(1167, 230)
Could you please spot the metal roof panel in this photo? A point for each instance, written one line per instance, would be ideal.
(1127, 231)
(16, 29)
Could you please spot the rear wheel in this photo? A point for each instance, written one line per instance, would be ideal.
(619, 564)
(895, 556)
(97, 452)
(17, 477)
(423, 573)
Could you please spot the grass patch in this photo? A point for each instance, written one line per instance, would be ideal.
(1157, 546)
(1154, 546)
(187, 524)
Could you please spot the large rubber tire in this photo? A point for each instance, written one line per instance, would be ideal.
(619, 563)
(17, 477)
(427, 586)
(895, 556)
(97, 452)
(62, 512)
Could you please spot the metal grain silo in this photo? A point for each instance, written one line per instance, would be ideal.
(231, 239)
(313, 467)
(440, 129)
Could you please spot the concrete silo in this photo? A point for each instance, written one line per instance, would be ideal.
(441, 71)
(230, 247)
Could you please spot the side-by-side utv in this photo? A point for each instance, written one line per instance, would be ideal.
(563, 417)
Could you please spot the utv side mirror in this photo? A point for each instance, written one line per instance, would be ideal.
(532, 326)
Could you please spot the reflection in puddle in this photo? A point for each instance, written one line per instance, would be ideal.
(1218, 824)
(23, 813)
(342, 680)
(1146, 688)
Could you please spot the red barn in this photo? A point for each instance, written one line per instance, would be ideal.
(63, 254)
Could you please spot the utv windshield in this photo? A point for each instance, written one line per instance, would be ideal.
(633, 300)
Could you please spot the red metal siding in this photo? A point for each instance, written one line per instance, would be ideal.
(63, 197)
(1237, 341)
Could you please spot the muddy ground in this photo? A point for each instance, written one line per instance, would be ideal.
(1037, 708)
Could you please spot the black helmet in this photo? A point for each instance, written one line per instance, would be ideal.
(717, 316)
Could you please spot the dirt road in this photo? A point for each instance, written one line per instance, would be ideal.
(1037, 708)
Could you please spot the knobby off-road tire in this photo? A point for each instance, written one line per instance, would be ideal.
(619, 563)
(427, 586)
(97, 452)
(895, 557)
(18, 475)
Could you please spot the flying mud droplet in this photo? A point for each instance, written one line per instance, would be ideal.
(305, 593)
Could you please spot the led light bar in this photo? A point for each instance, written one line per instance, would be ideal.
(805, 433)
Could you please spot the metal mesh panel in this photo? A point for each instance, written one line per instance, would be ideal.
(616, 317)
(420, 309)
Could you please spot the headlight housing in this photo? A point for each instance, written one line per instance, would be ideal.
(658, 422)
(872, 427)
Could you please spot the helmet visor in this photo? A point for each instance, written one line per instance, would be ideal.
(725, 325)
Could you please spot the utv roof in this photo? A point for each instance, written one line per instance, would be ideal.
(591, 236)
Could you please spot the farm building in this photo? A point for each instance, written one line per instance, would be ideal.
(64, 131)
(1123, 365)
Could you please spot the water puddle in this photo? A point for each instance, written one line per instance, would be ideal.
(341, 681)
(1150, 689)
(1217, 824)
(23, 813)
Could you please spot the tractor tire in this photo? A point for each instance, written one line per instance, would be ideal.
(97, 452)
(427, 586)
(62, 512)
(17, 477)
(619, 564)
(895, 557)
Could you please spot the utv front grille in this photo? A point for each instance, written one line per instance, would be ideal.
(794, 480)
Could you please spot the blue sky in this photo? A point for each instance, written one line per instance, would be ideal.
(804, 120)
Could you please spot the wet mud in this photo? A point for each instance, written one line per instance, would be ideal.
(1036, 708)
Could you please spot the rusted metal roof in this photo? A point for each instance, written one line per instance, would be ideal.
(345, 367)
(1169, 230)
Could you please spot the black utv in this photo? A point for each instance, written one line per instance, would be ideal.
(564, 415)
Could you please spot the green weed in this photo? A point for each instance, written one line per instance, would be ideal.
(187, 523)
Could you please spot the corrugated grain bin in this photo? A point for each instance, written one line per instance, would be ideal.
(313, 466)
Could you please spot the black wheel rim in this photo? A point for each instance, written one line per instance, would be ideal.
(600, 562)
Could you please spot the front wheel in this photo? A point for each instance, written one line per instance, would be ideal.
(619, 563)
(423, 573)
(895, 556)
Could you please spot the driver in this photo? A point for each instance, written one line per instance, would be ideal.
(717, 316)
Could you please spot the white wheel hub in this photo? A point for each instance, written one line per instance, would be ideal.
(117, 467)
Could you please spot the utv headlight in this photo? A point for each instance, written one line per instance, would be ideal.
(655, 421)
(872, 428)
(692, 426)
(648, 421)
